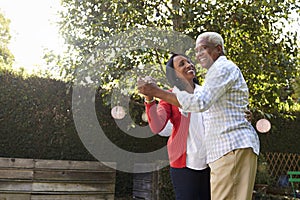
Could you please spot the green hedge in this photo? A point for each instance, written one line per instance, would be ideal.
(36, 120)
(284, 136)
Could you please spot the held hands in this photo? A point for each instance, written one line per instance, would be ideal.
(147, 86)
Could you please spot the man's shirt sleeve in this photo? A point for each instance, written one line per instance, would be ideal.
(217, 81)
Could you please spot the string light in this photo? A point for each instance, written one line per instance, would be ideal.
(263, 125)
(118, 112)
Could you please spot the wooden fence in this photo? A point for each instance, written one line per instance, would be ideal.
(281, 163)
(32, 179)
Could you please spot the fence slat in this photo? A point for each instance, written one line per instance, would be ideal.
(71, 197)
(67, 164)
(16, 163)
(71, 187)
(73, 175)
(15, 196)
(19, 174)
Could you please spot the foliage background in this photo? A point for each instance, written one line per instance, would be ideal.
(6, 57)
(254, 34)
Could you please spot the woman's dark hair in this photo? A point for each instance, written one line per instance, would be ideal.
(173, 79)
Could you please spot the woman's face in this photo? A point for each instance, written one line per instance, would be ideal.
(184, 68)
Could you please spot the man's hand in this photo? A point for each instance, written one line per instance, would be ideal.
(248, 115)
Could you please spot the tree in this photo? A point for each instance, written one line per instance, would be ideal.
(6, 57)
(252, 31)
(297, 89)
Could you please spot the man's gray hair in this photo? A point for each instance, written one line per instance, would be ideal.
(213, 38)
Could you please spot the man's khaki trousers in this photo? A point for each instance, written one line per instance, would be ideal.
(233, 175)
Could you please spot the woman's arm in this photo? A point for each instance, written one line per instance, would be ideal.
(158, 115)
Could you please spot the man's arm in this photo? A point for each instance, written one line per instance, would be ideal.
(151, 89)
(166, 96)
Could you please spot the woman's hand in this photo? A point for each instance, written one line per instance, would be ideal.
(146, 87)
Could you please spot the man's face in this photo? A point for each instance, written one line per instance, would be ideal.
(207, 53)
